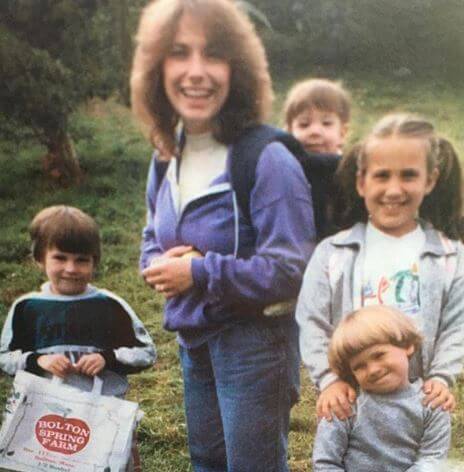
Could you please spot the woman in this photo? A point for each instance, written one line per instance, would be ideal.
(200, 69)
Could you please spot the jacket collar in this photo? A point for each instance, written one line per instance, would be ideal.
(436, 243)
(354, 236)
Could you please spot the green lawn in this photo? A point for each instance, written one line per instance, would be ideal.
(115, 158)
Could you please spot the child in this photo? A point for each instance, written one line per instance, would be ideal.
(447, 192)
(390, 257)
(317, 113)
(70, 328)
(391, 428)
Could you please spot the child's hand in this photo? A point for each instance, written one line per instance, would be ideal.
(56, 364)
(336, 398)
(90, 364)
(438, 394)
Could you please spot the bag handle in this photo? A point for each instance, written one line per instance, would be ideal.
(96, 388)
(97, 385)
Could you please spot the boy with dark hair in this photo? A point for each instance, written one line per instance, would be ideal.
(70, 328)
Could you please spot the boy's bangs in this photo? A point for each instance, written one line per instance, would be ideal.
(355, 341)
(74, 235)
(73, 242)
(325, 100)
(367, 327)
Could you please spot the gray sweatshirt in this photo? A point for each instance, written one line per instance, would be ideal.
(388, 433)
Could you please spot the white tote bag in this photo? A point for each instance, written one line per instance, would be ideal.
(49, 426)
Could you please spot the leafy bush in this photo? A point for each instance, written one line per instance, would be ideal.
(424, 36)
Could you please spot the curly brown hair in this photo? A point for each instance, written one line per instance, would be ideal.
(234, 38)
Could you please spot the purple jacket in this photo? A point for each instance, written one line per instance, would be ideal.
(245, 266)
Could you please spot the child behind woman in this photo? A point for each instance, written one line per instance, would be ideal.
(391, 429)
(317, 113)
(390, 257)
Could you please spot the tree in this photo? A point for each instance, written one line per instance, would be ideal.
(424, 36)
(49, 63)
(123, 40)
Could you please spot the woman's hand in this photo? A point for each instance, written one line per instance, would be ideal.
(176, 251)
(56, 364)
(336, 398)
(171, 274)
(438, 394)
(90, 364)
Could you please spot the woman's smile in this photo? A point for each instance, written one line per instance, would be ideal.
(196, 80)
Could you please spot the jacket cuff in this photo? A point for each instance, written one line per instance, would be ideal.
(199, 273)
(327, 380)
(441, 379)
(32, 366)
(110, 358)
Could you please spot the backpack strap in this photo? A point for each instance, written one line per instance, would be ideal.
(243, 162)
(160, 169)
(319, 169)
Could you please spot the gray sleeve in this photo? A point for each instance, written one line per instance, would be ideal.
(11, 361)
(313, 314)
(330, 445)
(435, 442)
(448, 356)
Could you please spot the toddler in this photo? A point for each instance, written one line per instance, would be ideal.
(391, 429)
(317, 113)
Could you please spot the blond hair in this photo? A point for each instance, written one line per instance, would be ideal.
(233, 37)
(323, 94)
(363, 329)
(66, 228)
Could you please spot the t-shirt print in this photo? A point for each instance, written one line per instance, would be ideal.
(399, 289)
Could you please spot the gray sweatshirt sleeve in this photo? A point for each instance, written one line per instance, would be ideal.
(330, 445)
(435, 442)
(11, 361)
(448, 357)
(313, 314)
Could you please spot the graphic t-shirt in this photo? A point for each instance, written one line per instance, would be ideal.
(391, 270)
(390, 276)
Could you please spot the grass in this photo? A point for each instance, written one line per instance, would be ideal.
(115, 159)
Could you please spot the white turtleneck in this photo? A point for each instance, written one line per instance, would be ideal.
(203, 160)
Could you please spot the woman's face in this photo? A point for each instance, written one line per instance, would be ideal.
(196, 78)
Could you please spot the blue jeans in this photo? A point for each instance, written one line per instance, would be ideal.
(239, 388)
